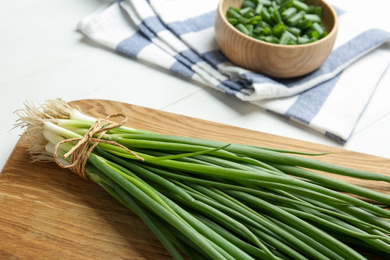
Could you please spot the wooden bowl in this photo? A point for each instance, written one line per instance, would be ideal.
(274, 60)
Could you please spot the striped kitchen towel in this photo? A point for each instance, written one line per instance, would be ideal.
(179, 36)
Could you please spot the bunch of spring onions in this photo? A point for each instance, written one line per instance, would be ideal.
(213, 200)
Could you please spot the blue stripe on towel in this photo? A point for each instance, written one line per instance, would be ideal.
(194, 24)
(236, 85)
(310, 102)
(146, 31)
(181, 69)
(227, 89)
(214, 57)
(259, 78)
(335, 137)
(133, 44)
(183, 60)
(155, 24)
(191, 56)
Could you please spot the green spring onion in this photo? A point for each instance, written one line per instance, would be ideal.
(212, 200)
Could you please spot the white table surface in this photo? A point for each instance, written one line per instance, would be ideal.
(42, 56)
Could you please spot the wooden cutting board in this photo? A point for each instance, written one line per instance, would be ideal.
(50, 213)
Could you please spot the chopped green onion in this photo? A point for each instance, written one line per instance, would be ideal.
(233, 13)
(276, 17)
(262, 31)
(254, 20)
(304, 24)
(242, 28)
(285, 38)
(317, 10)
(232, 21)
(301, 6)
(258, 8)
(294, 30)
(248, 4)
(266, 15)
(315, 30)
(303, 39)
(278, 29)
(312, 17)
(249, 27)
(245, 11)
(265, 2)
(288, 13)
(286, 4)
(295, 19)
(298, 18)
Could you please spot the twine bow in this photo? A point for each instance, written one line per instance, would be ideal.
(82, 150)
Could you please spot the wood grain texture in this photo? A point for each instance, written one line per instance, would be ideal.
(50, 213)
(280, 61)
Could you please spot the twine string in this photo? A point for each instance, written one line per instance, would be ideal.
(80, 153)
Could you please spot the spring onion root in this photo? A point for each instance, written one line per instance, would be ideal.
(211, 200)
